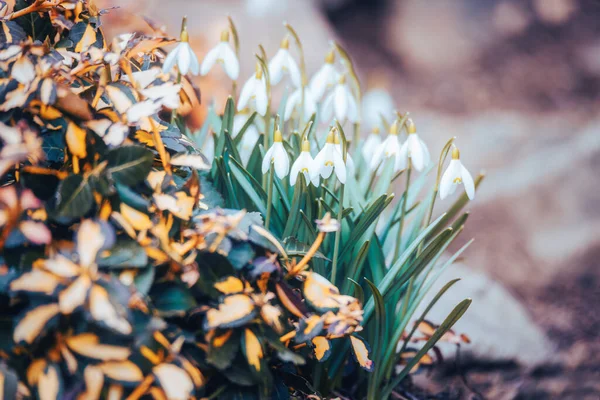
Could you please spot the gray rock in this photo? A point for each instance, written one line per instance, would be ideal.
(499, 326)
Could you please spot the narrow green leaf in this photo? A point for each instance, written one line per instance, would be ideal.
(450, 320)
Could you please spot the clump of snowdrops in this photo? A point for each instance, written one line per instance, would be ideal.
(142, 258)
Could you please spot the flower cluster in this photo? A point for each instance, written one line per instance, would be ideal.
(122, 273)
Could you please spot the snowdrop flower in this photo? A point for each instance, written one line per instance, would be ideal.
(349, 161)
(371, 144)
(414, 148)
(390, 147)
(278, 156)
(456, 174)
(341, 103)
(182, 55)
(255, 89)
(283, 62)
(325, 77)
(375, 104)
(330, 159)
(294, 102)
(251, 135)
(224, 54)
(306, 165)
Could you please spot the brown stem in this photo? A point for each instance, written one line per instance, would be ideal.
(309, 255)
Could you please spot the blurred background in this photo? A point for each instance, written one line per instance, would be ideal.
(518, 82)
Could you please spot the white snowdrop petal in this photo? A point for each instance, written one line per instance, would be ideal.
(183, 58)
(262, 100)
(294, 71)
(276, 67)
(230, 62)
(246, 93)
(446, 183)
(415, 152)
(282, 161)
(340, 167)
(266, 163)
(170, 60)
(209, 60)
(340, 103)
(327, 107)
(292, 102)
(468, 182)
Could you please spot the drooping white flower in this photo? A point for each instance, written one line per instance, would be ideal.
(222, 53)
(255, 90)
(390, 147)
(454, 175)
(349, 161)
(414, 148)
(325, 77)
(306, 165)
(330, 159)
(182, 55)
(375, 104)
(278, 156)
(371, 144)
(283, 62)
(340, 103)
(251, 135)
(294, 102)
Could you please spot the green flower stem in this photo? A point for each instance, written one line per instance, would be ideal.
(338, 235)
(356, 135)
(403, 213)
(174, 112)
(270, 196)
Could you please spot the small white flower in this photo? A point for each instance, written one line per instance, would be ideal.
(372, 143)
(456, 174)
(349, 161)
(414, 148)
(390, 147)
(375, 104)
(294, 102)
(278, 156)
(341, 103)
(283, 62)
(251, 135)
(306, 165)
(224, 54)
(330, 159)
(183, 56)
(325, 77)
(255, 89)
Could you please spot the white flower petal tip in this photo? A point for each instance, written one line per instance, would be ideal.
(184, 57)
(454, 175)
(340, 103)
(254, 93)
(330, 160)
(306, 166)
(278, 157)
(223, 54)
(283, 63)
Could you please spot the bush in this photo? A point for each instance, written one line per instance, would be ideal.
(134, 266)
